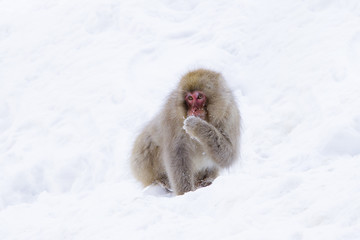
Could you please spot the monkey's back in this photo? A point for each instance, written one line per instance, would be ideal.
(146, 159)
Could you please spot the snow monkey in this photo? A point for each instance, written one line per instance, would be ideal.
(194, 136)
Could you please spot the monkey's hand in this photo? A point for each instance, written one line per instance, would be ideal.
(216, 144)
(192, 125)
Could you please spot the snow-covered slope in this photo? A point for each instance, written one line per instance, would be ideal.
(78, 80)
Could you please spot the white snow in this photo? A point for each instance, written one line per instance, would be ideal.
(79, 79)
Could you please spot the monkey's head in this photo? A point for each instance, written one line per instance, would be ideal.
(203, 94)
(196, 104)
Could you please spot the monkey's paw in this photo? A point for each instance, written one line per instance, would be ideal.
(191, 126)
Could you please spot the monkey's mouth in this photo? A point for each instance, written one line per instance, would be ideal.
(197, 112)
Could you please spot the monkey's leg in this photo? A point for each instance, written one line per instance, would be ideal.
(205, 177)
(163, 181)
(179, 169)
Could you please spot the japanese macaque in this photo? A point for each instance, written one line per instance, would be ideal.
(196, 134)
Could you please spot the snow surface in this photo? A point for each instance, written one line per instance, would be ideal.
(79, 79)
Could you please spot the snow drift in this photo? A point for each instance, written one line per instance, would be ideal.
(78, 80)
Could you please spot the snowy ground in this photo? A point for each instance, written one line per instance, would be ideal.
(78, 80)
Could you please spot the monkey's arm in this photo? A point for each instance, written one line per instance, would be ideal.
(178, 166)
(216, 144)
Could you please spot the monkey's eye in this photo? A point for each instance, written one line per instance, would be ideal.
(190, 98)
(200, 96)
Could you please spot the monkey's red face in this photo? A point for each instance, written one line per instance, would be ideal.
(196, 102)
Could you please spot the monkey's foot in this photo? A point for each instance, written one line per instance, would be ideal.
(204, 183)
(157, 190)
(164, 184)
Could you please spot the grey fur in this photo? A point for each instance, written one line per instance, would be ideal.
(185, 155)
